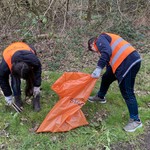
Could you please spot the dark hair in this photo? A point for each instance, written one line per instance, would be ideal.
(90, 42)
(23, 70)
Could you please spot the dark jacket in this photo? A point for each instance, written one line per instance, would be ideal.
(103, 45)
(24, 56)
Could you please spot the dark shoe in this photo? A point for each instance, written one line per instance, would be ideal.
(96, 99)
(36, 103)
(18, 101)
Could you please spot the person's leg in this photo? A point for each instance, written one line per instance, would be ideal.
(127, 91)
(16, 87)
(107, 78)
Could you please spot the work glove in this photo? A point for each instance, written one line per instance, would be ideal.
(36, 91)
(96, 73)
(9, 99)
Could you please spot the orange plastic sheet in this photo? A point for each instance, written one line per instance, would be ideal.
(73, 89)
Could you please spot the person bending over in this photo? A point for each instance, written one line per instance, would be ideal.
(122, 63)
(20, 62)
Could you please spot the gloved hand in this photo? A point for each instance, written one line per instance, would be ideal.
(9, 100)
(36, 91)
(96, 73)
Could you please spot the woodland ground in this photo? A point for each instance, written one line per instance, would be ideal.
(59, 57)
(142, 142)
(59, 32)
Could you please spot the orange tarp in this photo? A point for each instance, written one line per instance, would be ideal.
(73, 89)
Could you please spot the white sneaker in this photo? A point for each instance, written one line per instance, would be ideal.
(132, 125)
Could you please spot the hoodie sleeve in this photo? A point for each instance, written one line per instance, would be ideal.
(4, 78)
(104, 48)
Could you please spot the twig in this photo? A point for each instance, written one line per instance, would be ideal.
(50, 4)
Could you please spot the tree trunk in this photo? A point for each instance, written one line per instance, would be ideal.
(89, 10)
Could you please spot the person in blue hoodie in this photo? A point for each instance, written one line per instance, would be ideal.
(122, 63)
(20, 62)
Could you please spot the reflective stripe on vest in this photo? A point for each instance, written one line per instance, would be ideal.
(120, 50)
(11, 49)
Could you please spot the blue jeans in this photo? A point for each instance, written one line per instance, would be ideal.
(126, 88)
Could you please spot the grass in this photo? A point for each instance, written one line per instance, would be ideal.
(105, 121)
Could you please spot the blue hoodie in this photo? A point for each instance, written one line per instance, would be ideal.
(103, 45)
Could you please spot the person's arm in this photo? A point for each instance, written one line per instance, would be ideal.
(4, 79)
(105, 51)
(36, 64)
(37, 69)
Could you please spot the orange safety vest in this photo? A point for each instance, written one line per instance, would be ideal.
(120, 50)
(12, 48)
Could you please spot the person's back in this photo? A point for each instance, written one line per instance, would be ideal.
(20, 61)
